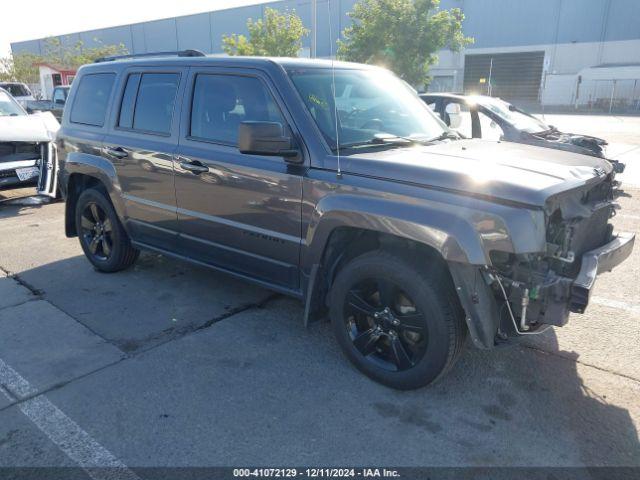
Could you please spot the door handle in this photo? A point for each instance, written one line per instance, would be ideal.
(194, 166)
(117, 152)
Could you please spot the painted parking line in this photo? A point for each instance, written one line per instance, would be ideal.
(607, 302)
(78, 445)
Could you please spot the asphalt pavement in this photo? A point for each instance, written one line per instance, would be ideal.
(169, 364)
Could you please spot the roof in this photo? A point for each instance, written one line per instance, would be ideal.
(285, 62)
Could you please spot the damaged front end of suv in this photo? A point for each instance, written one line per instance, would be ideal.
(522, 293)
(28, 154)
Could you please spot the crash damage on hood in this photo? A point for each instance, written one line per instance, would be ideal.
(571, 199)
(28, 153)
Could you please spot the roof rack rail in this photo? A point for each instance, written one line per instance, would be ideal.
(179, 53)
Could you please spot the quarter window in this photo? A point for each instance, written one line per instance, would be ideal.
(92, 99)
(222, 102)
(152, 110)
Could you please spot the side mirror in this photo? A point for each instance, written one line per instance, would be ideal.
(265, 138)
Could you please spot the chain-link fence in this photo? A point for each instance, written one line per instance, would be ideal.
(612, 96)
(526, 79)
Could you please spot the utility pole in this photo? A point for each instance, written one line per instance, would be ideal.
(314, 28)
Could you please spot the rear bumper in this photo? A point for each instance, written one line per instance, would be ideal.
(596, 261)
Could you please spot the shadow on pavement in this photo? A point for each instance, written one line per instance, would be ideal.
(509, 407)
(18, 205)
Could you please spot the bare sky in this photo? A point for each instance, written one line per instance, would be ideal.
(26, 20)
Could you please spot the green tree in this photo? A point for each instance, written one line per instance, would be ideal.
(20, 68)
(75, 55)
(402, 35)
(277, 35)
(23, 67)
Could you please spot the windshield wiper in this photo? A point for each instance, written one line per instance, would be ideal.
(385, 140)
(388, 140)
(449, 135)
(394, 140)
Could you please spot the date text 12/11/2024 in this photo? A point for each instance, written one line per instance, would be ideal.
(316, 473)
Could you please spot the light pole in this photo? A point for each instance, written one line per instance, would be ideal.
(314, 28)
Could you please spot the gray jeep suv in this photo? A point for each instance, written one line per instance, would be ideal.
(340, 187)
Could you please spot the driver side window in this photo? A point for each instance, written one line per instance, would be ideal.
(222, 102)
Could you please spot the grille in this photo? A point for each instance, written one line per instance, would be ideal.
(8, 149)
(7, 173)
(592, 232)
(23, 147)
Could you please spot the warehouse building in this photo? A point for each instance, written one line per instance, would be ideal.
(573, 53)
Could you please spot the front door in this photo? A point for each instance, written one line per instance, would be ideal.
(141, 145)
(239, 212)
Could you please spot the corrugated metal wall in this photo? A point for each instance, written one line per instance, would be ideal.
(204, 31)
(493, 23)
(513, 23)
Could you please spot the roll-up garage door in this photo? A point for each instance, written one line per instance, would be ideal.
(514, 77)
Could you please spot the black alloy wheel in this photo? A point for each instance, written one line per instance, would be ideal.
(385, 325)
(397, 319)
(97, 230)
(103, 239)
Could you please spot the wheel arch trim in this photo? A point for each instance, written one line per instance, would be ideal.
(92, 166)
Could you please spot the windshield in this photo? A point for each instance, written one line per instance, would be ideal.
(371, 104)
(16, 89)
(519, 119)
(8, 106)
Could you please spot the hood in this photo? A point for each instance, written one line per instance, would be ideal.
(498, 170)
(38, 127)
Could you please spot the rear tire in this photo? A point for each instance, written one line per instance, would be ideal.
(102, 237)
(400, 325)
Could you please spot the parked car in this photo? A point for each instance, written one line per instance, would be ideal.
(19, 91)
(410, 237)
(27, 152)
(55, 105)
(479, 116)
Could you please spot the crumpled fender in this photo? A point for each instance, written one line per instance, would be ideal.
(462, 234)
(452, 231)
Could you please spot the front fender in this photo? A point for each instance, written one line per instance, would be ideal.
(452, 232)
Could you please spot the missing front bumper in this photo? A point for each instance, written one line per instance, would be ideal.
(483, 304)
(602, 259)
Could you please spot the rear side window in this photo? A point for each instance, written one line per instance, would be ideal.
(92, 99)
(222, 102)
(148, 102)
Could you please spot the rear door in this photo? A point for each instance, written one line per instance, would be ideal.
(141, 145)
(238, 212)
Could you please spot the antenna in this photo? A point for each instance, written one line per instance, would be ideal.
(333, 89)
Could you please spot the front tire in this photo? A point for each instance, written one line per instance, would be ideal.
(400, 325)
(102, 237)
